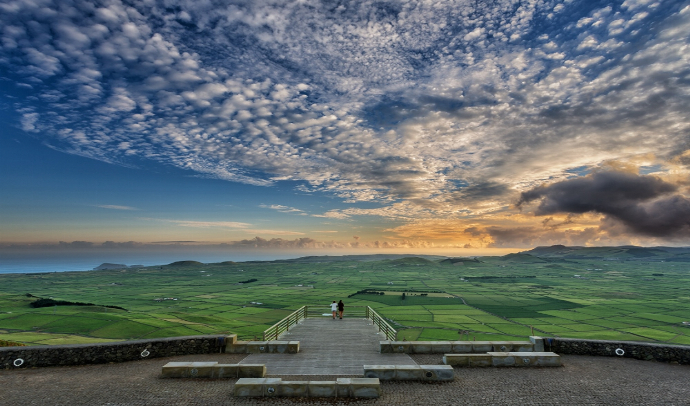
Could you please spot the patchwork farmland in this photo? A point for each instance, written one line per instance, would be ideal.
(613, 295)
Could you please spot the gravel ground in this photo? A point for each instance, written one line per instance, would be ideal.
(583, 380)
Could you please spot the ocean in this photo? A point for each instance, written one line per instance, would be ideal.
(34, 262)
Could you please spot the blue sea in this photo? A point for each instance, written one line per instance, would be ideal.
(35, 262)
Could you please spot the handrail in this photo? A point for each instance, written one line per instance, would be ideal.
(325, 310)
(382, 324)
(273, 332)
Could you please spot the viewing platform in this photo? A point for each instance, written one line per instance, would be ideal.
(330, 347)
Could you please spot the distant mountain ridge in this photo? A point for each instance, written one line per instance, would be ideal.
(625, 252)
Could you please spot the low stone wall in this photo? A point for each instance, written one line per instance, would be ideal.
(630, 349)
(101, 353)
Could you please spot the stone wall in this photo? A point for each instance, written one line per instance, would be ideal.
(101, 353)
(631, 349)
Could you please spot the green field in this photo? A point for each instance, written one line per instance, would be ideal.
(494, 298)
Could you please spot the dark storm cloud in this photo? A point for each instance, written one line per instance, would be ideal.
(644, 204)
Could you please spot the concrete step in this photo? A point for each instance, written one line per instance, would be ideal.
(455, 347)
(410, 372)
(340, 388)
(212, 370)
(259, 347)
(504, 359)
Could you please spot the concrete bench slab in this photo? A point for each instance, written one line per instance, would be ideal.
(409, 372)
(212, 370)
(525, 359)
(441, 347)
(175, 369)
(188, 369)
(261, 347)
(322, 389)
(538, 343)
(237, 347)
(482, 346)
(437, 372)
(385, 347)
(278, 347)
(454, 347)
(503, 359)
(249, 387)
(402, 347)
(275, 387)
(468, 360)
(257, 347)
(364, 388)
(461, 347)
(251, 370)
(382, 372)
(514, 346)
(271, 386)
(420, 347)
(294, 389)
(343, 387)
(226, 371)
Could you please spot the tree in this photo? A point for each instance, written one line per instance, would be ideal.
(403, 296)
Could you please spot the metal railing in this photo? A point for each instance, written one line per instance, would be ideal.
(273, 332)
(382, 324)
(325, 311)
(276, 330)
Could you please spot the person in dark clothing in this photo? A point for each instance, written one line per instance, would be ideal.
(341, 307)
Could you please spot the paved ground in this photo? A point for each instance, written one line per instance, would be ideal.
(581, 381)
(330, 347)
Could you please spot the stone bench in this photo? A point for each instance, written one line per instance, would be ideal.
(504, 359)
(454, 347)
(232, 346)
(340, 388)
(212, 370)
(410, 372)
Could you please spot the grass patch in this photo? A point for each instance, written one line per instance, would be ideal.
(124, 329)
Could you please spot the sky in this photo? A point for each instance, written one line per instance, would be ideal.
(462, 127)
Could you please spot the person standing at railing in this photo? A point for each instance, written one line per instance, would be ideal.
(341, 307)
(334, 308)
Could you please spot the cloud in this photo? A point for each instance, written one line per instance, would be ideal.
(279, 243)
(422, 109)
(273, 232)
(115, 207)
(644, 204)
(282, 209)
(333, 214)
(203, 224)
